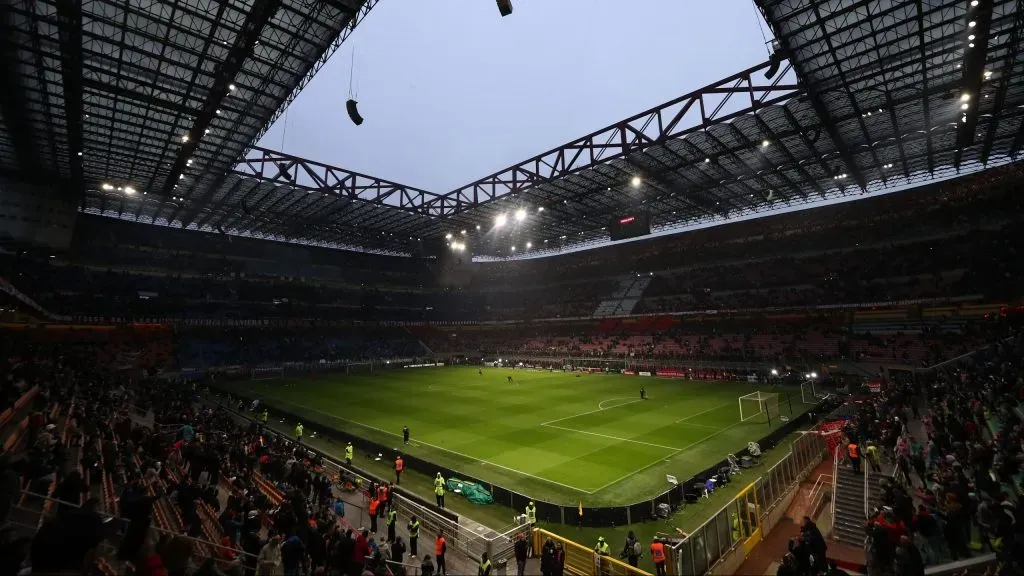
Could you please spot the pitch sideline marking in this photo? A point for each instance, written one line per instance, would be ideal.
(599, 409)
(389, 433)
(611, 437)
(670, 456)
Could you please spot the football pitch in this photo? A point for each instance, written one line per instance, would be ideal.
(558, 437)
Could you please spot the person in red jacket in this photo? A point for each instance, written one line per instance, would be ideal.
(360, 552)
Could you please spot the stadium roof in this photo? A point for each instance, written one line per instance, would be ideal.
(160, 97)
(869, 96)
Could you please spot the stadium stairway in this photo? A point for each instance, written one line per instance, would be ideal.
(625, 298)
(850, 518)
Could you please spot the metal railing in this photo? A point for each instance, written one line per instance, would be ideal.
(867, 487)
(835, 479)
(818, 492)
(578, 559)
(744, 520)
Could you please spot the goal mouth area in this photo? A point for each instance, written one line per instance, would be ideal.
(759, 404)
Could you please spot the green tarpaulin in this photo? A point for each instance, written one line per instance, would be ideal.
(475, 493)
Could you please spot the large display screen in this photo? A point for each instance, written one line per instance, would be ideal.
(630, 225)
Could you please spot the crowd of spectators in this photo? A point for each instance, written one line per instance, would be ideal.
(956, 240)
(151, 479)
(955, 444)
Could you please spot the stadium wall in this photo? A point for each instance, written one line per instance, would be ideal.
(594, 517)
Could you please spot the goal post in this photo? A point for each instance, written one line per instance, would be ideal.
(808, 392)
(268, 373)
(759, 407)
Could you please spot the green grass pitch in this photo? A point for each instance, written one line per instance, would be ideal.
(556, 436)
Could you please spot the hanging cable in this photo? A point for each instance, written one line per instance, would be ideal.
(757, 16)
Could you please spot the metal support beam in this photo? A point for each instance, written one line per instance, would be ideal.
(1006, 75)
(974, 72)
(260, 14)
(705, 106)
(286, 170)
(69, 23)
(12, 96)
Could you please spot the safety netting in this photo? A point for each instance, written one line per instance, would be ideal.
(473, 492)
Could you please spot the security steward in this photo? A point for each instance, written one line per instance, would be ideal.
(264, 416)
(382, 495)
(485, 566)
(399, 466)
(392, 519)
(439, 490)
(298, 432)
(414, 534)
(374, 509)
(602, 548)
(658, 557)
(440, 549)
(854, 454)
(348, 453)
(531, 514)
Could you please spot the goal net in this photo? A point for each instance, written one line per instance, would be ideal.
(759, 407)
(268, 373)
(808, 392)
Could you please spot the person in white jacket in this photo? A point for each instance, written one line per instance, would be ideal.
(269, 561)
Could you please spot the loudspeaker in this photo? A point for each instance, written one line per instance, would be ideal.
(505, 7)
(353, 111)
(774, 61)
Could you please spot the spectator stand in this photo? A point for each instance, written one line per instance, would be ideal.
(463, 535)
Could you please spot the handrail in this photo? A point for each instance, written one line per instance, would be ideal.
(867, 486)
(835, 479)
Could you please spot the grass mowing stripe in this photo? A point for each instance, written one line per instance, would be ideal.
(611, 437)
(719, 407)
(441, 448)
(680, 451)
(599, 409)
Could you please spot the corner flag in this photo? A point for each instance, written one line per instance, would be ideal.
(581, 508)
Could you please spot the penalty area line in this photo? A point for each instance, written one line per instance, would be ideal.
(612, 437)
(599, 409)
(670, 456)
(442, 449)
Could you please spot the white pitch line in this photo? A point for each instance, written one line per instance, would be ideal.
(600, 405)
(467, 456)
(599, 409)
(704, 412)
(612, 437)
(660, 460)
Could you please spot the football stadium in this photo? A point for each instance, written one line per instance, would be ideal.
(552, 435)
(740, 294)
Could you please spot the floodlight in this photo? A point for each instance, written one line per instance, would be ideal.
(529, 245)
(636, 182)
(500, 220)
(520, 215)
(448, 236)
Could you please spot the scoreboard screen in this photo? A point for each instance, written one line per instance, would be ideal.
(630, 226)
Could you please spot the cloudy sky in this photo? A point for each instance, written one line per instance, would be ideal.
(452, 92)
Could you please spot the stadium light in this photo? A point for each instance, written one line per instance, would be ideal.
(129, 190)
(765, 143)
(965, 106)
(541, 208)
(965, 97)
(775, 372)
(477, 226)
(513, 248)
(500, 221)
(231, 87)
(974, 3)
(184, 138)
(463, 232)
(972, 24)
(106, 186)
(814, 374)
(971, 37)
(448, 236)
(529, 245)
(520, 215)
(636, 182)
